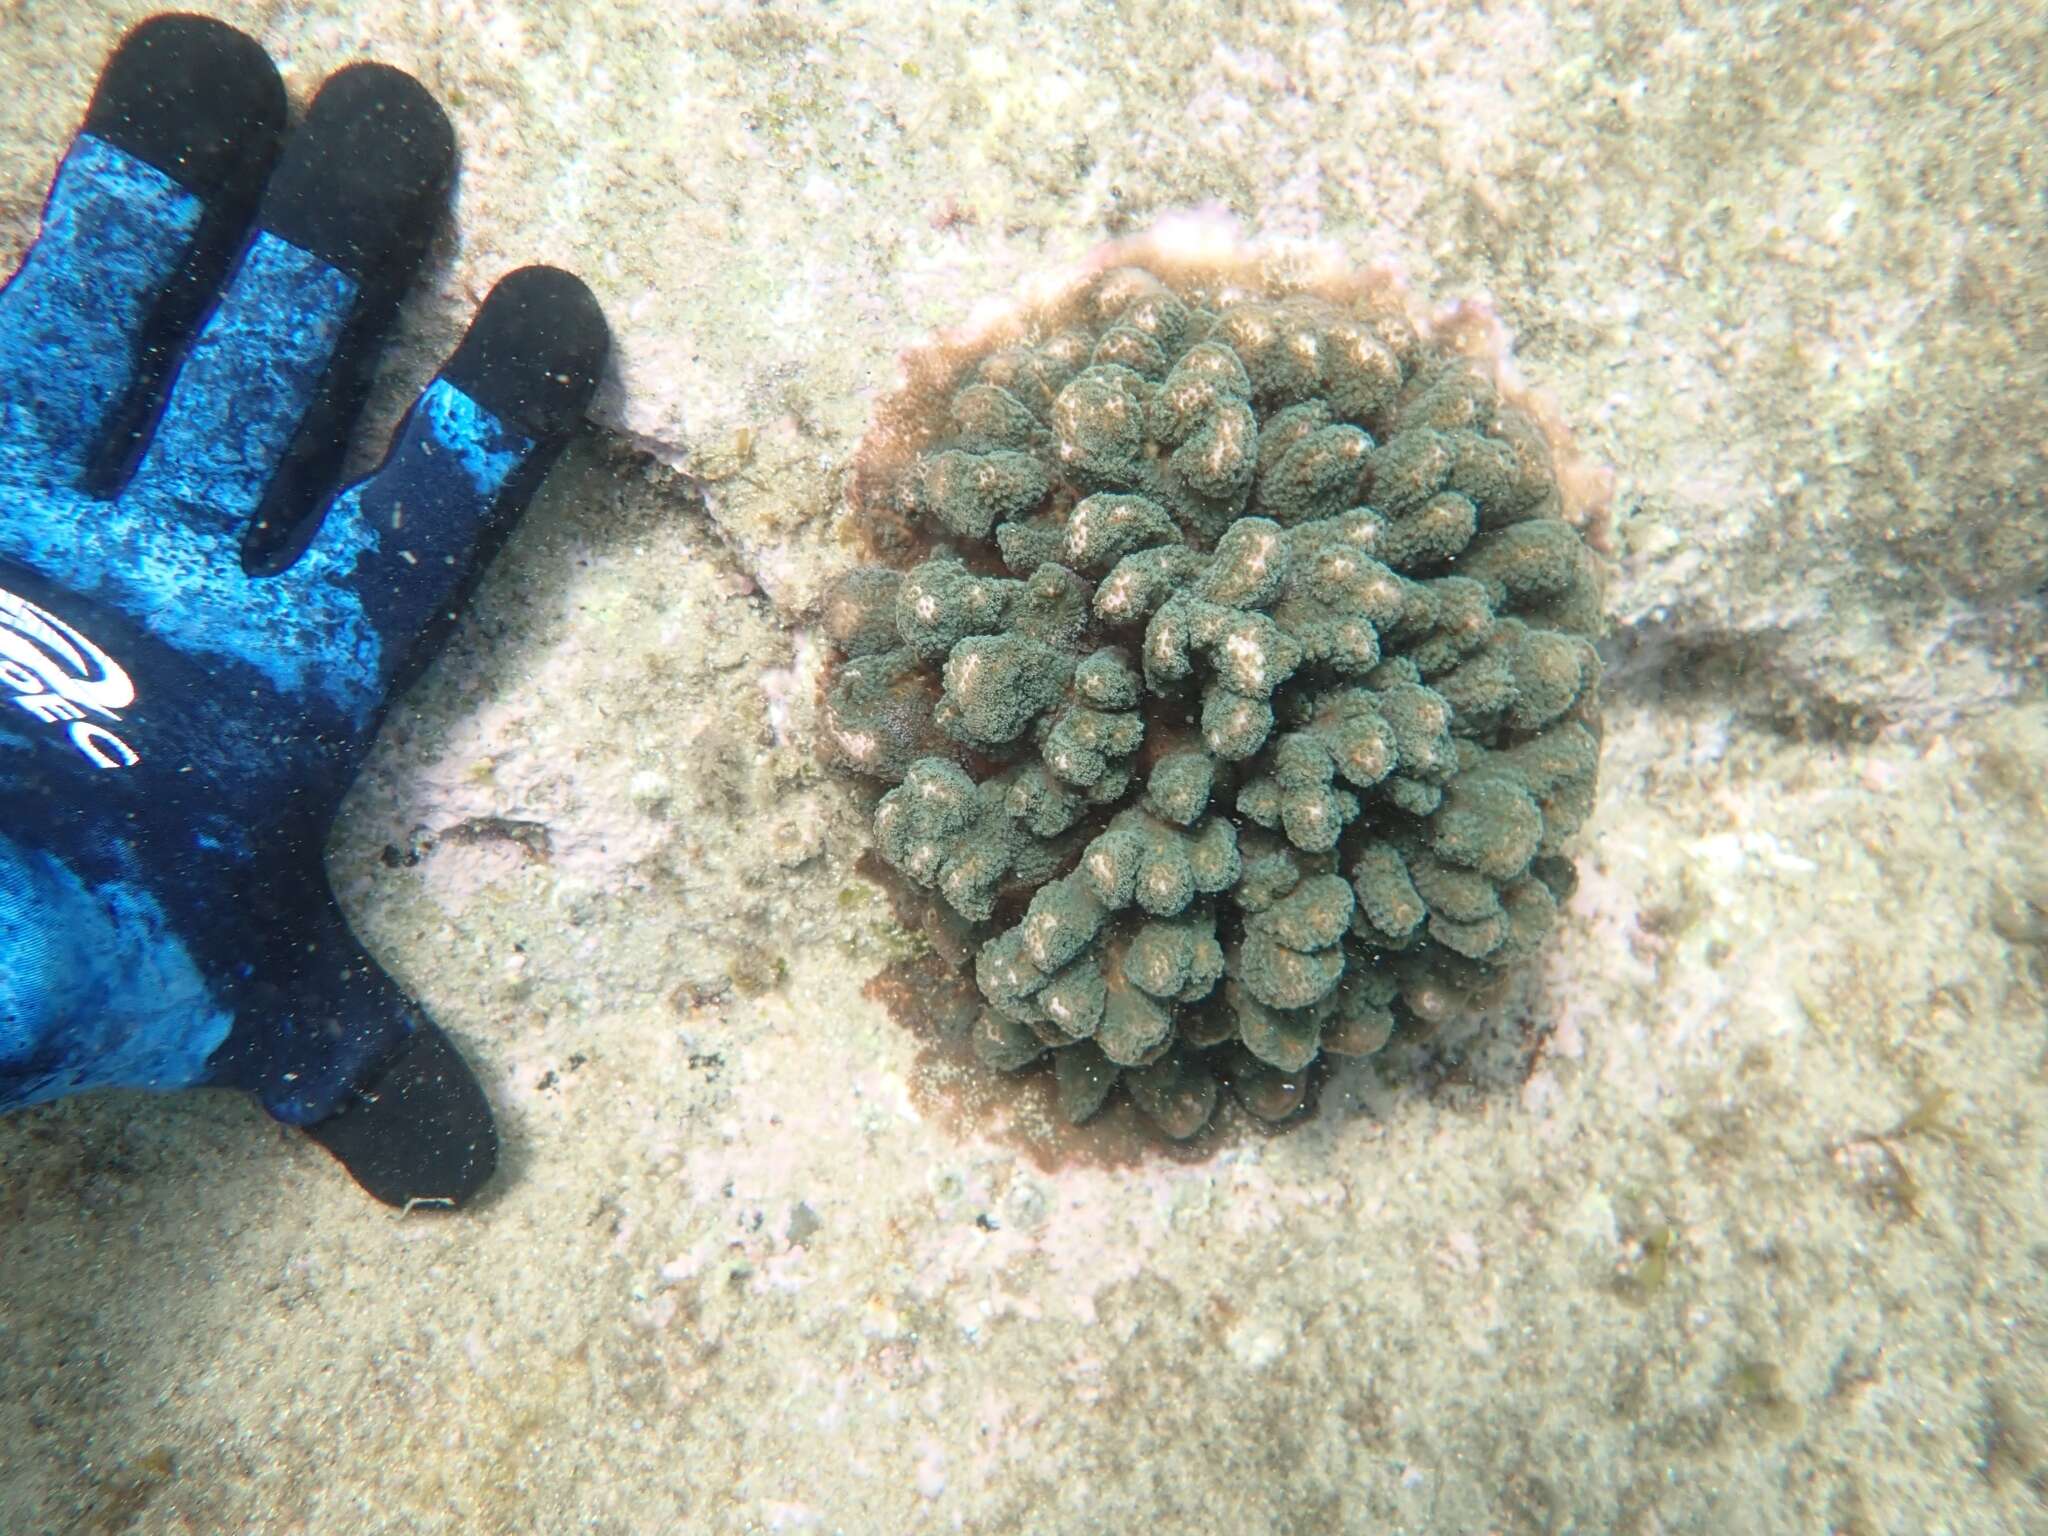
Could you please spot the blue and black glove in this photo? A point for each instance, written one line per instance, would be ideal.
(197, 637)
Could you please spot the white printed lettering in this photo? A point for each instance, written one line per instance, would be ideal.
(57, 675)
(96, 741)
(50, 707)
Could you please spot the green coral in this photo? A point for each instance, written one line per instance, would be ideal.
(947, 833)
(968, 493)
(996, 685)
(878, 714)
(1089, 741)
(860, 613)
(1242, 704)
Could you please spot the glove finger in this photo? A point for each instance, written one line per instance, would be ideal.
(420, 1130)
(330, 1043)
(409, 540)
(257, 421)
(141, 220)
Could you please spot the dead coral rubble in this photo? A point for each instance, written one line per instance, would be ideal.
(1240, 704)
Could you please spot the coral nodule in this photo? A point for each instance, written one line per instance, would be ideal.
(1229, 667)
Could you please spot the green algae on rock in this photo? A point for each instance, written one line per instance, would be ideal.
(1228, 659)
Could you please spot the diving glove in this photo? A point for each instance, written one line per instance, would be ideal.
(198, 635)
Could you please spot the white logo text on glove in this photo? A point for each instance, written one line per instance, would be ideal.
(61, 678)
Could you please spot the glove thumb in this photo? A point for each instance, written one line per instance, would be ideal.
(330, 1043)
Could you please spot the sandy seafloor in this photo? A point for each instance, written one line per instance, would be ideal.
(1753, 1238)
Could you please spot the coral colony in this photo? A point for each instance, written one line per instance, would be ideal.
(1228, 666)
